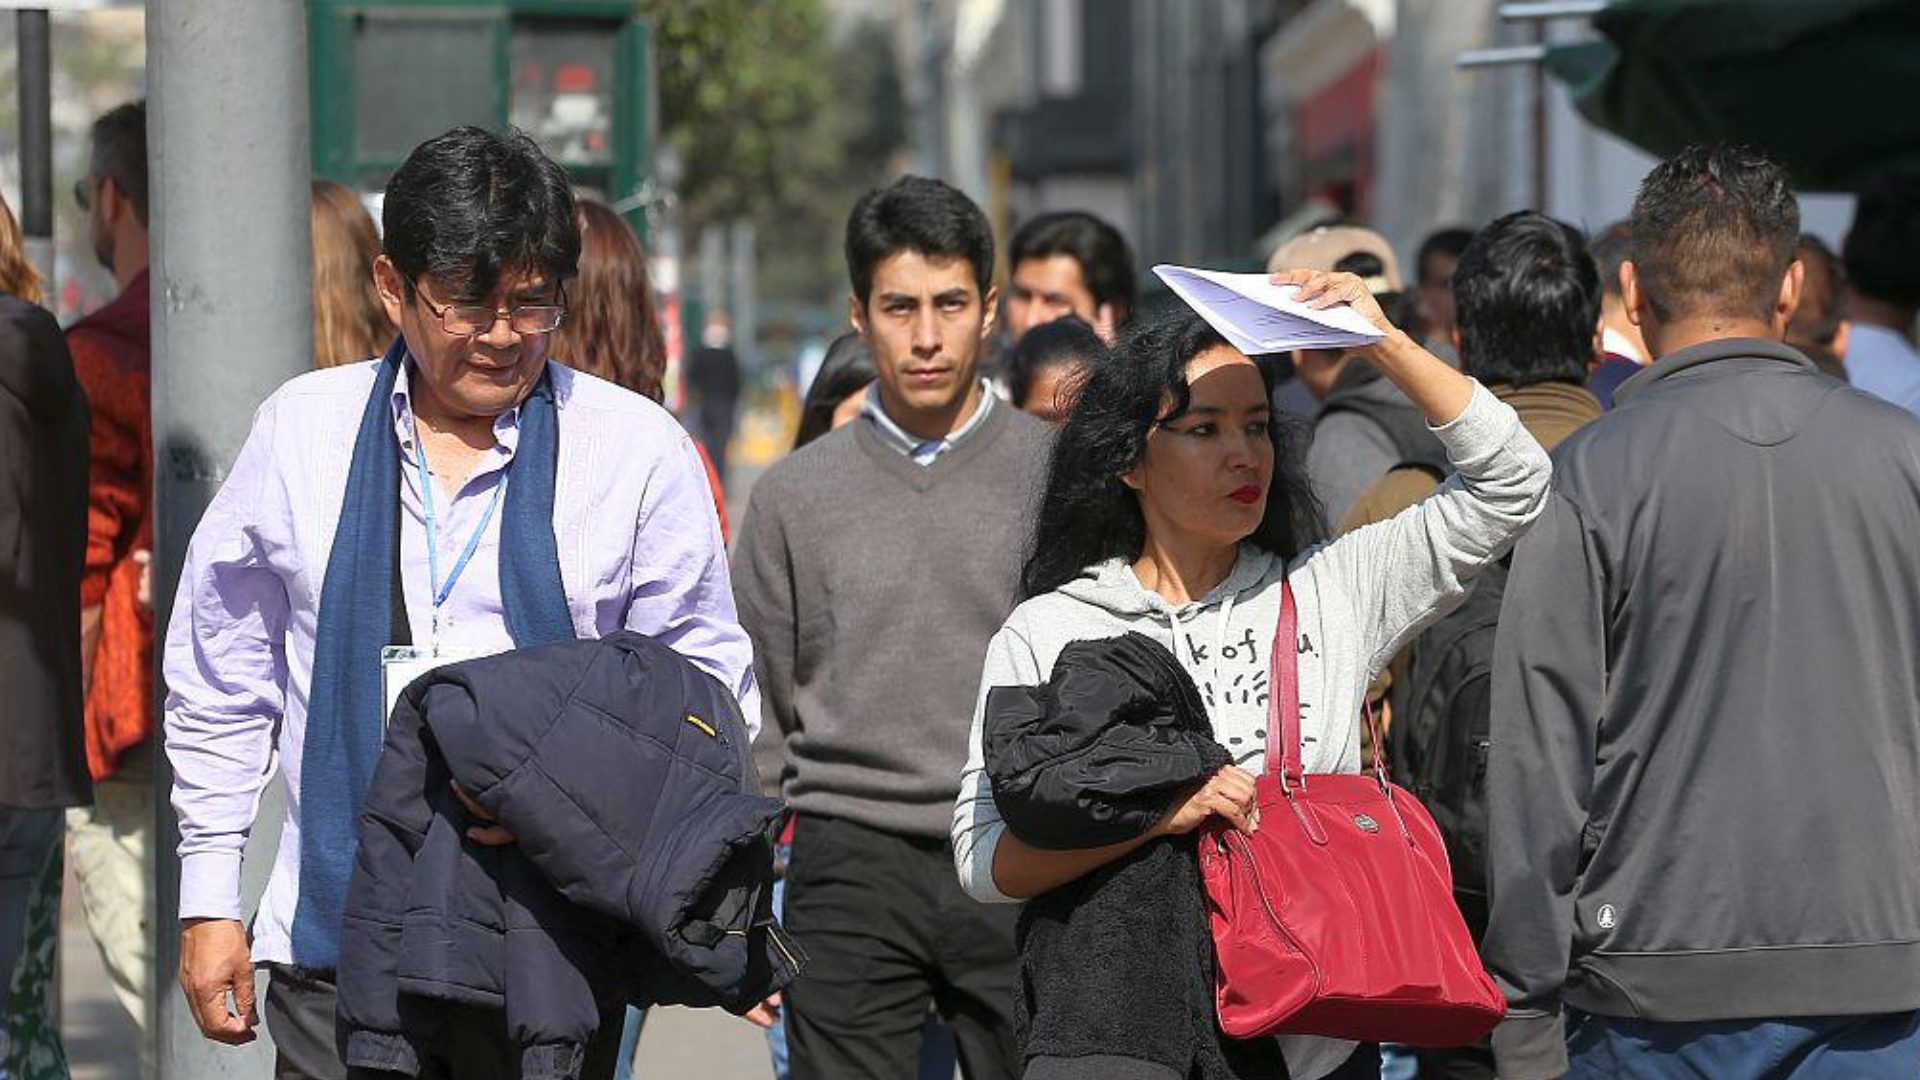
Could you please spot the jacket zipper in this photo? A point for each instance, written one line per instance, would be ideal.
(773, 934)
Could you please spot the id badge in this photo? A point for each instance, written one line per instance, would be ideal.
(401, 664)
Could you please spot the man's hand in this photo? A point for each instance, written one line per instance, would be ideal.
(766, 1014)
(143, 594)
(214, 962)
(490, 834)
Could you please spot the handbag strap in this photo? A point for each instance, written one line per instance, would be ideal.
(1283, 704)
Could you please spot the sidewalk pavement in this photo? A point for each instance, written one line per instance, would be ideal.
(101, 1044)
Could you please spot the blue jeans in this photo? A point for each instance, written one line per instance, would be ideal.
(1398, 1063)
(1882, 1047)
(629, 1043)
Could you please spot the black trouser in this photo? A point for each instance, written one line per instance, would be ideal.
(887, 930)
(1465, 1063)
(300, 1017)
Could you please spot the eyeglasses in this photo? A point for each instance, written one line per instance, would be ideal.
(83, 193)
(472, 320)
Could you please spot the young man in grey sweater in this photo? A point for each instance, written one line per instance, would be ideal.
(873, 567)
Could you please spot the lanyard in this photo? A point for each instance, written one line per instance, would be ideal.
(438, 589)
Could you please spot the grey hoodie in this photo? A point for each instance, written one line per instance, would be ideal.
(1360, 599)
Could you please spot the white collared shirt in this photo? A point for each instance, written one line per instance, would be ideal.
(923, 451)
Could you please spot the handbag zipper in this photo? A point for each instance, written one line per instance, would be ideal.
(1267, 906)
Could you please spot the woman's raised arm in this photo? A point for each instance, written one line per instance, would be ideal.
(1434, 387)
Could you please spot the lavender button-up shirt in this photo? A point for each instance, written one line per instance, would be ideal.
(639, 547)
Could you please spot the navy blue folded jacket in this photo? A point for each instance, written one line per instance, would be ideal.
(640, 874)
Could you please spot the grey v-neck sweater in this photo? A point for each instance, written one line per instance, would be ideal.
(870, 586)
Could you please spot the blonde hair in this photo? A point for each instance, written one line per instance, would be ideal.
(17, 276)
(349, 321)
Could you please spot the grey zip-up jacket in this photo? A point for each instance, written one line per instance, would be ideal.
(1704, 788)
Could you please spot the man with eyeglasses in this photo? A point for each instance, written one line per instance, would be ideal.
(460, 496)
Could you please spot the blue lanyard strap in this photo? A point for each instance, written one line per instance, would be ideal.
(441, 590)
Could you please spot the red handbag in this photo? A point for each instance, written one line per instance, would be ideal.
(1336, 917)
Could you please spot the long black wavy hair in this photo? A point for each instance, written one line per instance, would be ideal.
(1087, 515)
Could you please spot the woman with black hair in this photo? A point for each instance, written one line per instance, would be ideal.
(1175, 508)
(838, 389)
(1047, 363)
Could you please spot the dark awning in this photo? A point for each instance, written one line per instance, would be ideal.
(1829, 88)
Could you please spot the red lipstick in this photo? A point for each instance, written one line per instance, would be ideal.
(1246, 496)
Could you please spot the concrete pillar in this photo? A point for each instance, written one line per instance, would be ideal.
(232, 320)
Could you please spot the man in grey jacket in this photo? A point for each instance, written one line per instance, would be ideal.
(1704, 799)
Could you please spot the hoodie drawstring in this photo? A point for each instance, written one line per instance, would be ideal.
(1192, 661)
(1220, 644)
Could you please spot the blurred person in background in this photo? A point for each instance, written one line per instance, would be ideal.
(1882, 259)
(1365, 424)
(349, 322)
(1622, 351)
(111, 842)
(1527, 304)
(713, 389)
(1069, 263)
(43, 767)
(1820, 327)
(1433, 275)
(1524, 288)
(1047, 364)
(838, 389)
(612, 329)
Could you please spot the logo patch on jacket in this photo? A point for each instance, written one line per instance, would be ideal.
(1608, 918)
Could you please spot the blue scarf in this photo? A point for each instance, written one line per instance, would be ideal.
(345, 714)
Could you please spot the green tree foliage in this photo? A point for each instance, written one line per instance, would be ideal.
(779, 120)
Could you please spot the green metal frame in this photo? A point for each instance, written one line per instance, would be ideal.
(332, 78)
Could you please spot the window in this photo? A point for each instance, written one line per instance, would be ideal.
(416, 77)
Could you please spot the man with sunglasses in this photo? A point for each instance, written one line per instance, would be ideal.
(111, 842)
(460, 496)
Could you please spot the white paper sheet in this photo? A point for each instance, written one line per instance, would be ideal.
(1258, 317)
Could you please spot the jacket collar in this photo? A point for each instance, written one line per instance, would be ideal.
(1550, 411)
(1706, 353)
(126, 315)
